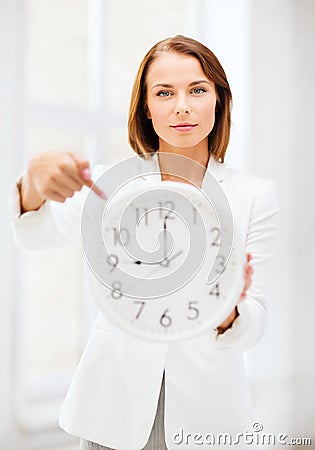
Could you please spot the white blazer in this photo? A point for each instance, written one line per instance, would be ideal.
(113, 396)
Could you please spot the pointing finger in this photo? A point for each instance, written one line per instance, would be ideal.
(85, 173)
(96, 189)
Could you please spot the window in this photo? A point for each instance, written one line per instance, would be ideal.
(81, 57)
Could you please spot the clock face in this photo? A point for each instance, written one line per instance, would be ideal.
(162, 265)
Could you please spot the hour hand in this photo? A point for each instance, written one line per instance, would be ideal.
(164, 262)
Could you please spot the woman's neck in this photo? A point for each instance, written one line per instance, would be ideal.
(186, 165)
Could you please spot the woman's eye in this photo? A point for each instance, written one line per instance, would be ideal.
(163, 94)
(199, 90)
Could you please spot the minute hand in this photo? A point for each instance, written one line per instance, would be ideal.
(164, 238)
(164, 260)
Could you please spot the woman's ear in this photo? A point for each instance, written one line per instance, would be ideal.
(147, 112)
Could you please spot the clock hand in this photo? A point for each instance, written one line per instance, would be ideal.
(156, 268)
(143, 262)
(175, 256)
(167, 260)
(164, 247)
(165, 236)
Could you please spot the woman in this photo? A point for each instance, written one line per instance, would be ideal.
(124, 386)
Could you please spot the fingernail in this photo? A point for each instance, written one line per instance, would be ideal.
(103, 195)
(86, 174)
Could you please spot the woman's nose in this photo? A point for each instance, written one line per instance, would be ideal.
(182, 108)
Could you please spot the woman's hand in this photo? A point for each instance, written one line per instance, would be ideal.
(248, 281)
(55, 176)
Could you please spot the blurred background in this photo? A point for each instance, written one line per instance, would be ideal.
(67, 68)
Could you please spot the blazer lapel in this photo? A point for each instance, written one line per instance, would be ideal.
(217, 169)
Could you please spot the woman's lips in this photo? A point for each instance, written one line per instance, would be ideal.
(184, 127)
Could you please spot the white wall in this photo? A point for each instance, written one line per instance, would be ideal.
(266, 47)
(267, 50)
(282, 147)
(224, 26)
(11, 105)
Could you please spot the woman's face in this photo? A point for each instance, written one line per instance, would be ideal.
(180, 100)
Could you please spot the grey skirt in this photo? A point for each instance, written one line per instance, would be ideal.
(156, 440)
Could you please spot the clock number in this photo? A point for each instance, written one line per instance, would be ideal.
(165, 320)
(116, 290)
(193, 310)
(145, 215)
(194, 215)
(121, 238)
(219, 264)
(140, 309)
(169, 205)
(112, 260)
(215, 290)
(215, 242)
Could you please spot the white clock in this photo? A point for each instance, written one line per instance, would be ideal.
(163, 261)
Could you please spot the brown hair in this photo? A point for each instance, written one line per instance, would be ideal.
(142, 137)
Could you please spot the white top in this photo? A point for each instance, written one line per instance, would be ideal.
(113, 396)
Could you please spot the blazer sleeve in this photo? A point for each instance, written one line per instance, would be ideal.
(54, 224)
(249, 326)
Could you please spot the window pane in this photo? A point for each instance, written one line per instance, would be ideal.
(53, 287)
(118, 145)
(53, 310)
(130, 35)
(40, 140)
(56, 51)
